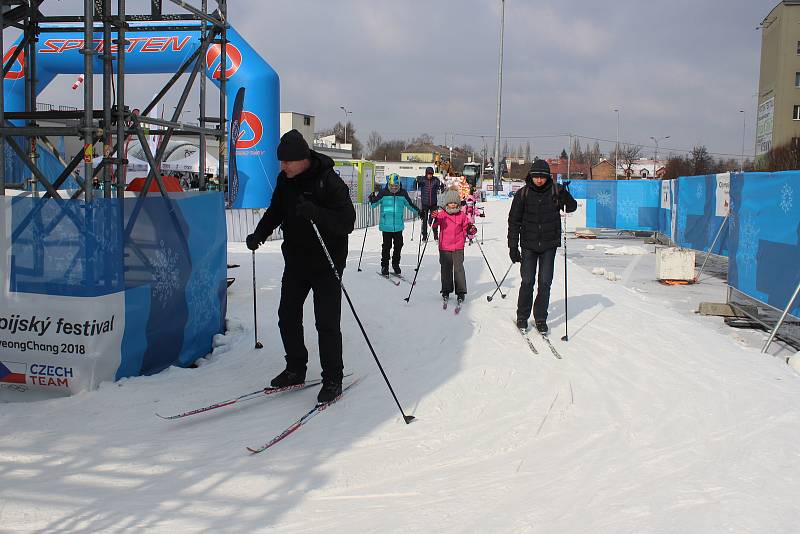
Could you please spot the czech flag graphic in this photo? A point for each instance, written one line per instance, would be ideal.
(13, 372)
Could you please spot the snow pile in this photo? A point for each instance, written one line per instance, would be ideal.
(627, 250)
(609, 275)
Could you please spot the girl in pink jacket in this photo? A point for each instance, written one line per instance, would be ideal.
(454, 226)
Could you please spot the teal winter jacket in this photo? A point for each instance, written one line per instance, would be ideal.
(392, 208)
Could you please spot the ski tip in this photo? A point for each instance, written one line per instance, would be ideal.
(161, 416)
(408, 418)
(252, 451)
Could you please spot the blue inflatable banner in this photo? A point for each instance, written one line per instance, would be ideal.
(59, 52)
(764, 244)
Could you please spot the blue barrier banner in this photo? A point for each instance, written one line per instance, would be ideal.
(764, 261)
(702, 205)
(620, 204)
(109, 289)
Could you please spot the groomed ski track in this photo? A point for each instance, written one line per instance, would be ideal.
(654, 421)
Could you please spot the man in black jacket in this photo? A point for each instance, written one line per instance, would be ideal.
(429, 187)
(534, 222)
(308, 190)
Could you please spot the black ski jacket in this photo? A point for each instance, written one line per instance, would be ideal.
(534, 220)
(336, 216)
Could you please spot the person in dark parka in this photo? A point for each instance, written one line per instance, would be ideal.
(309, 190)
(429, 187)
(534, 223)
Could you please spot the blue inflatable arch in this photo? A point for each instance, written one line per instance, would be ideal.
(156, 52)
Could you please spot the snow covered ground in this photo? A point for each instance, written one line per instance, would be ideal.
(655, 420)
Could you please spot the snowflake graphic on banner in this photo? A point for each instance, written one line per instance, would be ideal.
(200, 296)
(699, 192)
(165, 274)
(748, 243)
(628, 211)
(787, 198)
(604, 198)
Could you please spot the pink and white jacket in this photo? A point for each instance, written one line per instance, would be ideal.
(452, 229)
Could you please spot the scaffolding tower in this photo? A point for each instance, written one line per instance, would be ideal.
(115, 123)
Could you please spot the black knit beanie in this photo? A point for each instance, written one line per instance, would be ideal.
(293, 147)
(539, 168)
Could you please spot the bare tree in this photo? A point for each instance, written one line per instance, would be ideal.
(375, 140)
(388, 150)
(629, 154)
(527, 151)
(700, 160)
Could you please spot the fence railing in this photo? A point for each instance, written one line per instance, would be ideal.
(242, 222)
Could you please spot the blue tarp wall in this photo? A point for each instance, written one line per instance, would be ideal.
(764, 234)
(620, 204)
(168, 257)
(761, 237)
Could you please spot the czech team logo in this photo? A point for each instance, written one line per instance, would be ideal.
(18, 69)
(250, 131)
(214, 60)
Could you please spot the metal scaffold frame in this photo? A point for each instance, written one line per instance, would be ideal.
(115, 123)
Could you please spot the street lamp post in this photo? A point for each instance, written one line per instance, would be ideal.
(346, 113)
(744, 123)
(497, 171)
(616, 152)
(655, 158)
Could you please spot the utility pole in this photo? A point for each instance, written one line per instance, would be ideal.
(497, 171)
(744, 119)
(616, 152)
(346, 113)
(655, 158)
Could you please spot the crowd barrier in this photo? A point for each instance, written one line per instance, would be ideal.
(109, 289)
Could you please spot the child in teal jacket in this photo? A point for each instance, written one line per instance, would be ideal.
(393, 200)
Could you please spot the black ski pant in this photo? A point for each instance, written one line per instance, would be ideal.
(295, 285)
(388, 239)
(546, 264)
(425, 216)
(452, 263)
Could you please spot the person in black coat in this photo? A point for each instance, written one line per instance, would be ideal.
(308, 190)
(534, 222)
(429, 187)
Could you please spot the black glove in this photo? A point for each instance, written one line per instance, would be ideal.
(252, 242)
(308, 210)
(514, 254)
(373, 198)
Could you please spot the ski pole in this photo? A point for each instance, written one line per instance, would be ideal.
(413, 224)
(565, 337)
(255, 308)
(362, 247)
(419, 243)
(490, 297)
(490, 270)
(406, 418)
(416, 272)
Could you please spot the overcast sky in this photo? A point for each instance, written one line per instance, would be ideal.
(682, 68)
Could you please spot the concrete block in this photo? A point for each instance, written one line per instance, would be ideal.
(675, 264)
